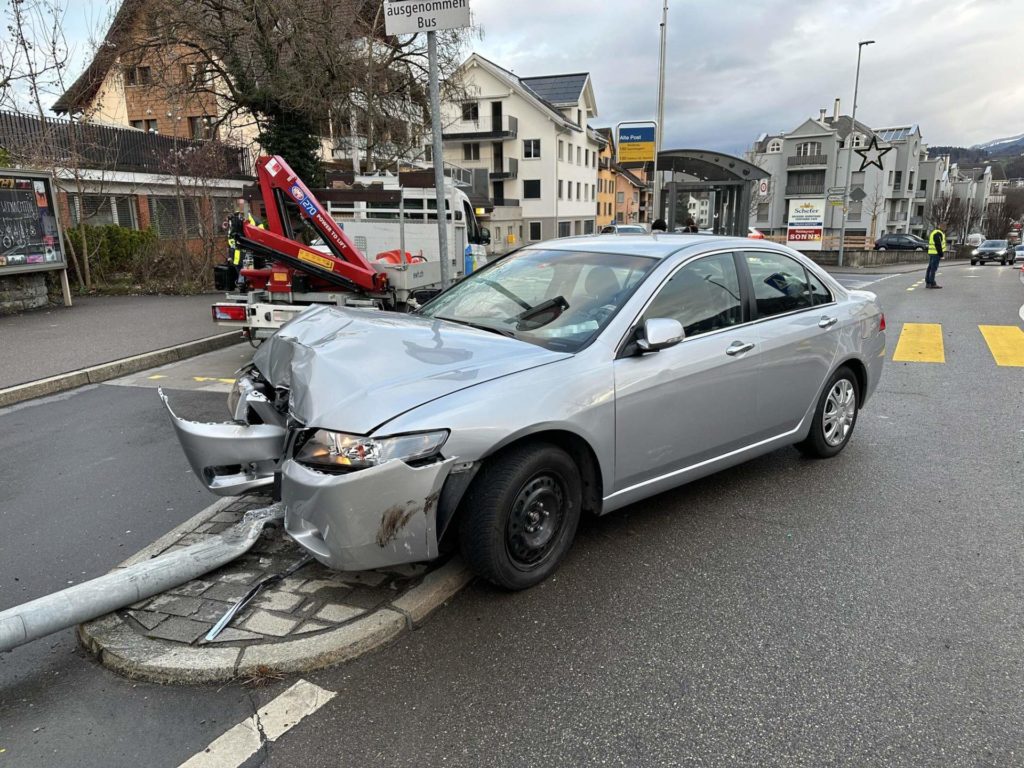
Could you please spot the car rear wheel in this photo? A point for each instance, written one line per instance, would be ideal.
(974, 262)
(834, 418)
(520, 515)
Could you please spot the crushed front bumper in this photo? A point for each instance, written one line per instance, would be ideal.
(230, 458)
(372, 518)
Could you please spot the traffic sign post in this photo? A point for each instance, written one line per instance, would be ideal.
(410, 17)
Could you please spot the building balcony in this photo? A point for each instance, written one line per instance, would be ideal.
(916, 221)
(921, 194)
(817, 188)
(807, 160)
(507, 170)
(854, 216)
(898, 192)
(898, 216)
(485, 128)
(506, 202)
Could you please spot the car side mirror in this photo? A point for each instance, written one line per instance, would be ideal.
(659, 333)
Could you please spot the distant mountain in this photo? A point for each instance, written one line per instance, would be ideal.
(1009, 147)
(960, 154)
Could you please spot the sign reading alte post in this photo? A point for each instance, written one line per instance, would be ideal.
(407, 17)
(637, 143)
(410, 17)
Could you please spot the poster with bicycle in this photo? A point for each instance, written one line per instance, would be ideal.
(29, 229)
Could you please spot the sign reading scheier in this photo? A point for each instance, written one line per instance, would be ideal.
(636, 145)
(407, 17)
(806, 224)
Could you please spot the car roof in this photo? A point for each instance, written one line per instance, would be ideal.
(657, 246)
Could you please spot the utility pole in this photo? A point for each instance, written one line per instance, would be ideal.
(661, 113)
(438, 153)
(849, 153)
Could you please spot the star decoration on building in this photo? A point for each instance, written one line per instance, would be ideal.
(872, 155)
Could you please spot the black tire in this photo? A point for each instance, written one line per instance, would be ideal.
(974, 262)
(518, 493)
(822, 442)
(1002, 263)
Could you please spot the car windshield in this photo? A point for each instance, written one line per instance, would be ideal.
(556, 299)
(994, 244)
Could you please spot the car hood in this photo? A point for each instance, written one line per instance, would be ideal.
(355, 369)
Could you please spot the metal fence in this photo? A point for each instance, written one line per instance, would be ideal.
(64, 143)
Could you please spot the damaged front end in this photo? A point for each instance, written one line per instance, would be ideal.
(353, 502)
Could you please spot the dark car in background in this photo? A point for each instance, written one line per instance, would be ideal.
(900, 242)
(992, 250)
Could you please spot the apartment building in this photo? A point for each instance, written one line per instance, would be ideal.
(893, 185)
(606, 174)
(529, 139)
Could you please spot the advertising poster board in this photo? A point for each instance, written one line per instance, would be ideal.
(30, 226)
(805, 227)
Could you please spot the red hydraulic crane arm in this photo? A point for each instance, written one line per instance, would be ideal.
(278, 182)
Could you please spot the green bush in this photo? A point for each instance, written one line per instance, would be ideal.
(114, 250)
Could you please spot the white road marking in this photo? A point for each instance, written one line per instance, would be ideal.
(274, 720)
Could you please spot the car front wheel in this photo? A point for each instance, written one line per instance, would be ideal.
(520, 515)
(834, 418)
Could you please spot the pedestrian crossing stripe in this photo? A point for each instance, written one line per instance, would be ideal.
(922, 343)
(1006, 343)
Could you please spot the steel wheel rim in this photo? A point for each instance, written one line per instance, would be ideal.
(535, 520)
(840, 411)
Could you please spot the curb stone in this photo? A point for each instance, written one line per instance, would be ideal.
(97, 374)
(122, 644)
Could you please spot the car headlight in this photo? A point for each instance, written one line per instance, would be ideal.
(341, 452)
(974, 252)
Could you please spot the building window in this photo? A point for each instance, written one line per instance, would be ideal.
(144, 125)
(470, 111)
(578, 191)
(560, 192)
(564, 228)
(620, 197)
(762, 211)
(561, 149)
(774, 146)
(471, 151)
(593, 192)
(520, 233)
(201, 127)
(531, 189)
(531, 148)
(568, 190)
(175, 217)
(586, 157)
(138, 76)
(579, 155)
(588, 227)
(808, 149)
(579, 117)
(899, 179)
(924, 185)
(858, 140)
(569, 156)
(535, 233)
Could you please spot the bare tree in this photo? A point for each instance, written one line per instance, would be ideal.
(875, 204)
(34, 54)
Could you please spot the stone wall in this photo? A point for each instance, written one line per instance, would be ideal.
(860, 258)
(20, 292)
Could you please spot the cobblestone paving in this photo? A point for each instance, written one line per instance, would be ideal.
(314, 599)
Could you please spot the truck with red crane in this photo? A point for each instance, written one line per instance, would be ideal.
(299, 255)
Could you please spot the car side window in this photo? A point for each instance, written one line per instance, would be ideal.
(704, 296)
(779, 283)
(819, 293)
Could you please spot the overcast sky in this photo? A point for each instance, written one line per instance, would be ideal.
(737, 68)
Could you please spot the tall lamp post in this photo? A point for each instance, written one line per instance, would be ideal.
(661, 115)
(849, 152)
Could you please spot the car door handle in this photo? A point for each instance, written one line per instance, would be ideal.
(827, 322)
(738, 348)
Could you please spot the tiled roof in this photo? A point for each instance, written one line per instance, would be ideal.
(521, 82)
(560, 90)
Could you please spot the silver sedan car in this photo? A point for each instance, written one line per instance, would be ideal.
(570, 377)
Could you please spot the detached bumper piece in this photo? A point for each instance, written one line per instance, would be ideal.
(230, 458)
(371, 518)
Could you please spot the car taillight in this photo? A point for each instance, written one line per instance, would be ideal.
(230, 312)
(881, 322)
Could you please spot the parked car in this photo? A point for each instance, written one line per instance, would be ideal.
(992, 250)
(624, 229)
(575, 376)
(1018, 254)
(900, 242)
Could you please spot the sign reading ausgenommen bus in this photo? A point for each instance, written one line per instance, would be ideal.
(29, 228)
(407, 17)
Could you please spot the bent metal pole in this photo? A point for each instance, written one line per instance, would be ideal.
(438, 157)
(123, 587)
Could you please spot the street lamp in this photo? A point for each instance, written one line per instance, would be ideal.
(656, 213)
(849, 152)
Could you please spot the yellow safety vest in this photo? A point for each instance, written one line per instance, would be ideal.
(932, 250)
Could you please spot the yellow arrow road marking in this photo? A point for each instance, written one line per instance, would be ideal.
(920, 343)
(1006, 343)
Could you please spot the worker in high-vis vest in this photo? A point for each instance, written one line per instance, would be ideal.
(936, 250)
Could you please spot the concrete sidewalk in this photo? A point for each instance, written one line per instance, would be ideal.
(889, 269)
(96, 330)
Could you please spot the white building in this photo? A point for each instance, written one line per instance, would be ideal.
(528, 143)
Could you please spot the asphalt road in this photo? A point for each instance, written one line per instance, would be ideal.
(862, 611)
